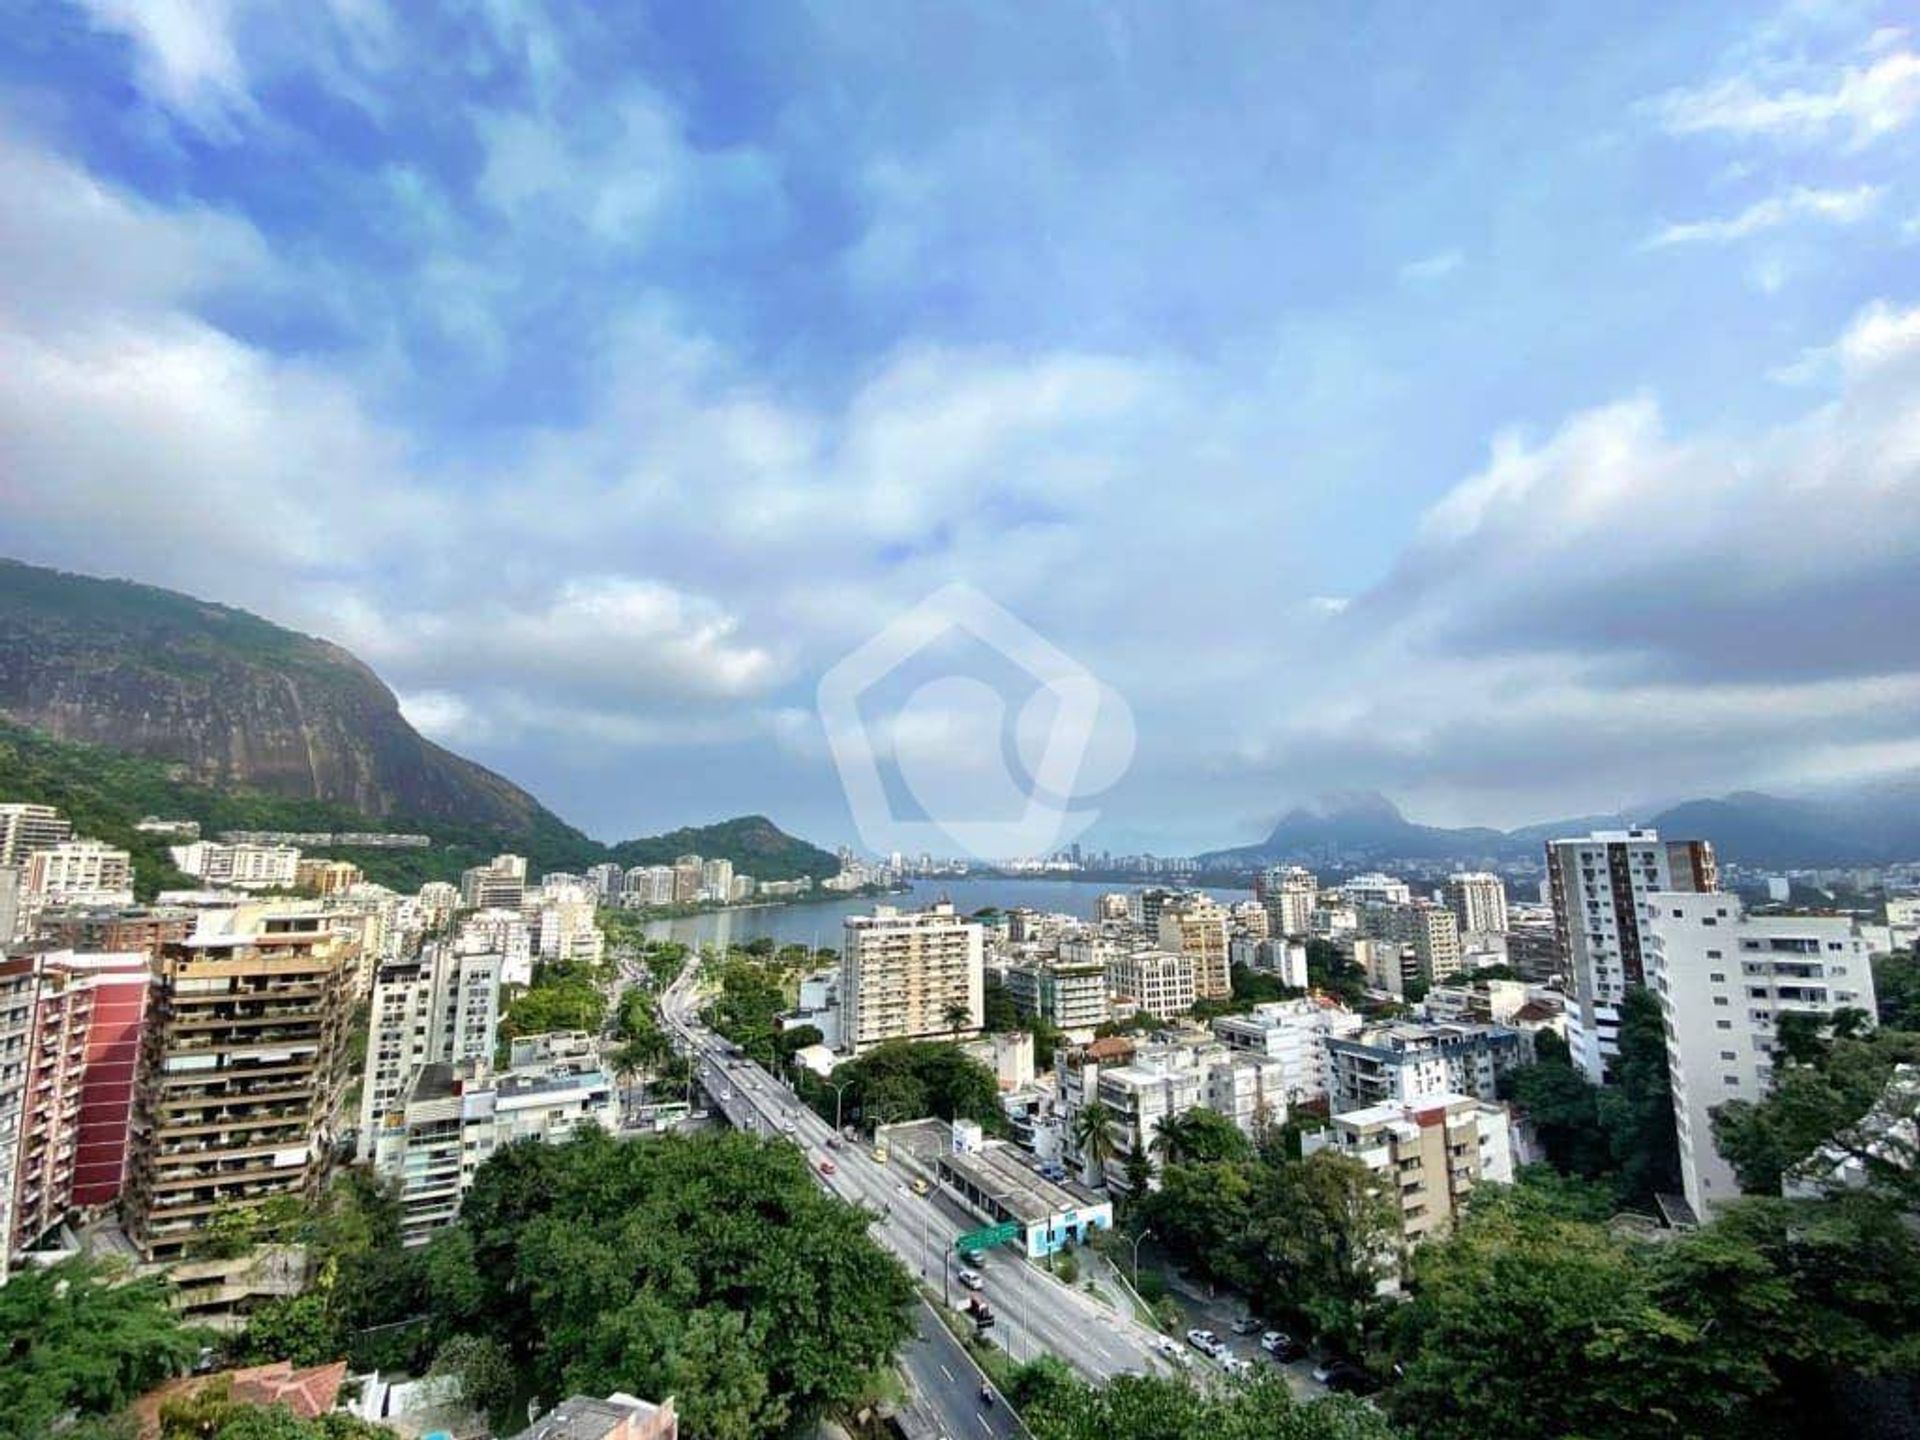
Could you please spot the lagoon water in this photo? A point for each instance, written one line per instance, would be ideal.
(817, 923)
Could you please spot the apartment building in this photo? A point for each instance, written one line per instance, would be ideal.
(567, 930)
(243, 866)
(27, 828)
(1197, 926)
(1293, 1034)
(1478, 901)
(649, 885)
(1160, 982)
(452, 1117)
(500, 884)
(1071, 997)
(1163, 1081)
(114, 929)
(82, 1054)
(1376, 889)
(1404, 1062)
(1289, 894)
(716, 879)
(910, 975)
(1428, 930)
(1431, 1153)
(1601, 888)
(686, 879)
(19, 985)
(440, 1007)
(1724, 978)
(327, 877)
(244, 1071)
(77, 872)
(505, 933)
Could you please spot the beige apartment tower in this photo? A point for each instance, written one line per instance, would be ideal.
(246, 1065)
(914, 975)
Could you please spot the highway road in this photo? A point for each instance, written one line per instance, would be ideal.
(947, 1386)
(1036, 1314)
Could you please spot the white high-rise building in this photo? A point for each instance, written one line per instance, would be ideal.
(1295, 1033)
(1724, 978)
(716, 879)
(1601, 886)
(910, 975)
(1478, 901)
(77, 872)
(1289, 893)
(1428, 930)
(27, 828)
(1160, 982)
(1377, 889)
(439, 1008)
(246, 866)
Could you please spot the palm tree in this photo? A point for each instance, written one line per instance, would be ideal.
(1093, 1136)
(1171, 1139)
(958, 1017)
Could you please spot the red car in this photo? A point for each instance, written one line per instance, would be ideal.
(826, 1165)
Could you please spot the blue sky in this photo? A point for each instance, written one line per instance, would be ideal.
(1512, 410)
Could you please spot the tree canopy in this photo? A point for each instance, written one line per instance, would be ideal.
(1531, 1321)
(905, 1080)
(1056, 1406)
(711, 1268)
(81, 1337)
(1622, 1133)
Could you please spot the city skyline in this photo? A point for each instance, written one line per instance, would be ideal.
(1516, 423)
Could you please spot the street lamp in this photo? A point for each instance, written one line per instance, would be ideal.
(839, 1091)
(1136, 1258)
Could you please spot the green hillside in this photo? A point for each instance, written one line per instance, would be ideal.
(107, 792)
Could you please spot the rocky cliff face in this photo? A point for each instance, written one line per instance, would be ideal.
(229, 698)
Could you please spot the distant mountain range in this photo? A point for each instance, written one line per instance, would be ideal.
(118, 695)
(1864, 826)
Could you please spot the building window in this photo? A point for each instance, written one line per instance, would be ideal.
(1718, 977)
(1724, 1024)
(1719, 999)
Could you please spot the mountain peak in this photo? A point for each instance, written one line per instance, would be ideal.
(1369, 805)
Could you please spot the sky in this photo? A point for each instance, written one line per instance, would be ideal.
(1514, 409)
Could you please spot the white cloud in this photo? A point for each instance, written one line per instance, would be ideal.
(1863, 104)
(1832, 207)
(1880, 335)
(1432, 267)
(187, 59)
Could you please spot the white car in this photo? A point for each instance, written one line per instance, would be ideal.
(1205, 1341)
(788, 1125)
(972, 1279)
(1232, 1363)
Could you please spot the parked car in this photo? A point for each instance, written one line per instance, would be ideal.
(1233, 1364)
(1166, 1346)
(1246, 1325)
(972, 1279)
(1204, 1341)
(1282, 1346)
(1345, 1378)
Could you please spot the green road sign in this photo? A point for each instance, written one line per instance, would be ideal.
(992, 1235)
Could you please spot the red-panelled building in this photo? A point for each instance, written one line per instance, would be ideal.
(82, 1064)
